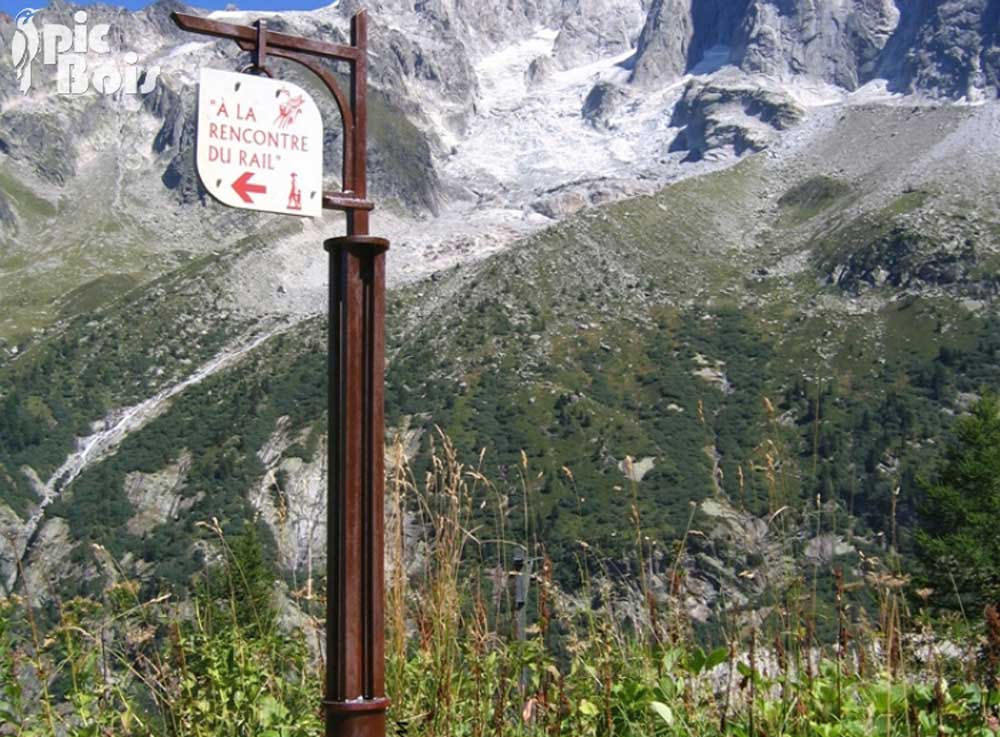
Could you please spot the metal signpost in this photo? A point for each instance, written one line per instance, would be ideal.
(354, 702)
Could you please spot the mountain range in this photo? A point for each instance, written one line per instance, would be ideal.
(726, 257)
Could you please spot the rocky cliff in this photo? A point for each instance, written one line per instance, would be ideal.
(945, 49)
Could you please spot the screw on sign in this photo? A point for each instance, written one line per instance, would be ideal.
(251, 161)
(260, 143)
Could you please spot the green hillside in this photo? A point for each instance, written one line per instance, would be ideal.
(821, 353)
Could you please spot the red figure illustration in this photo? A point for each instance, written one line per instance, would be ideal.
(294, 197)
(289, 109)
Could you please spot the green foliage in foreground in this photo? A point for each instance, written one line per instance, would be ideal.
(159, 674)
(123, 666)
(220, 666)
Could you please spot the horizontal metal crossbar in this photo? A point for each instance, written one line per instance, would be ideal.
(209, 27)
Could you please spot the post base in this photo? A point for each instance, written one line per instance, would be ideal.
(361, 718)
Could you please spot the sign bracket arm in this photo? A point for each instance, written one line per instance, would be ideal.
(262, 43)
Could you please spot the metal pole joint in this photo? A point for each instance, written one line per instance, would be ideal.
(357, 706)
(359, 243)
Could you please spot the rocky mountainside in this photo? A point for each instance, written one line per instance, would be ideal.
(719, 239)
(944, 49)
(487, 125)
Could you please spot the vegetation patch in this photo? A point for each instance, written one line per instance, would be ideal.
(94, 294)
(27, 203)
(812, 197)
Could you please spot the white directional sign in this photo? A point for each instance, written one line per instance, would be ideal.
(260, 143)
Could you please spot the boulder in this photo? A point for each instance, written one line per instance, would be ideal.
(602, 103)
(733, 111)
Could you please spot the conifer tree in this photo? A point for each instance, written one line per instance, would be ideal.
(958, 543)
(249, 578)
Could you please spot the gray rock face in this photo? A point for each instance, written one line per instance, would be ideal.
(539, 71)
(588, 29)
(665, 41)
(156, 18)
(452, 75)
(946, 49)
(950, 48)
(158, 497)
(175, 106)
(40, 141)
(8, 220)
(400, 163)
(291, 499)
(492, 22)
(12, 549)
(678, 33)
(167, 103)
(181, 176)
(47, 561)
(837, 42)
(8, 83)
(591, 29)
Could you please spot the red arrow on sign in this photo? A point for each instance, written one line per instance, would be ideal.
(243, 188)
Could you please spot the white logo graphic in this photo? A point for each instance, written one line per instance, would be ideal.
(24, 46)
(68, 49)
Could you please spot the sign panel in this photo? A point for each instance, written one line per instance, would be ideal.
(259, 143)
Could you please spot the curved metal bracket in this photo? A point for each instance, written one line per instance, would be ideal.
(346, 113)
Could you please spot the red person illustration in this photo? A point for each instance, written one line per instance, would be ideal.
(289, 108)
(294, 196)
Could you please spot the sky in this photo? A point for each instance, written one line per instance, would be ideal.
(10, 7)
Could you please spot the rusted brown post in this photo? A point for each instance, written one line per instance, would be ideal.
(354, 701)
(355, 674)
